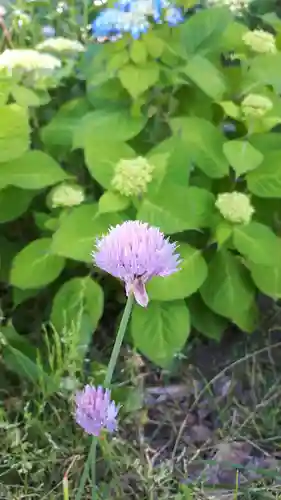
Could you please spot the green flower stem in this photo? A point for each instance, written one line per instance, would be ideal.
(119, 339)
(93, 457)
(108, 377)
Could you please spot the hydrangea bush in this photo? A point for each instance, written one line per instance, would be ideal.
(174, 122)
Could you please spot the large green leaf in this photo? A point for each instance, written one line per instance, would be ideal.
(102, 158)
(136, 80)
(25, 97)
(14, 202)
(75, 298)
(193, 272)
(112, 202)
(265, 181)
(138, 52)
(35, 266)
(264, 70)
(267, 142)
(206, 76)
(109, 94)
(107, 126)
(203, 32)
(205, 320)
(267, 279)
(33, 170)
(242, 156)
(59, 131)
(161, 330)
(228, 288)
(76, 235)
(175, 208)
(14, 132)
(205, 143)
(258, 243)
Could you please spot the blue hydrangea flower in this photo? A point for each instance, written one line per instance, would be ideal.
(113, 22)
(132, 16)
(173, 15)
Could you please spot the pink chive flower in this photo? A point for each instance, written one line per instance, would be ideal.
(134, 252)
(95, 411)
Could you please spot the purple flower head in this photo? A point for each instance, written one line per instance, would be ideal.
(95, 411)
(134, 253)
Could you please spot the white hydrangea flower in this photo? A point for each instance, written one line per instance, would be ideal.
(260, 41)
(235, 207)
(255, 106)
(235, 6)
(131, 177)
(66, 195)
(60, 44)
(27, 60)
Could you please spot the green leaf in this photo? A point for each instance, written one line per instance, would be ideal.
(14, 202)
(76, 235)
(137, 80)
(267, 279)
(175, 208)
(223, 232)
(265, 181)
(112, 202)
(192, 274)
(107, 126)
(138, 51)
(205, 320)
(205, 142)
(109, 94)
(264, 70)
(75, 298)
(24, 367)
(20, 295)
(35, 266)
(14, 132)
(20, 342)
(155, 45)
(5, 88)
(242, 156)
(266, 143)
(60, 129)
(203, 32)
(206, 76)
(230, 109)
(179, 163)
(33, 170)
(228, 287)
(257, 243)
(102, 158)
(248, 319)
(161, 330)
(25, 97)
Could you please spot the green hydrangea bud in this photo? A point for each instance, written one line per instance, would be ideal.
(260, 41)
(66, 195)
(131, 177)
(235, 207)
(255, 106)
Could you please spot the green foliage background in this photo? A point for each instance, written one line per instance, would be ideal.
(170, 97)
